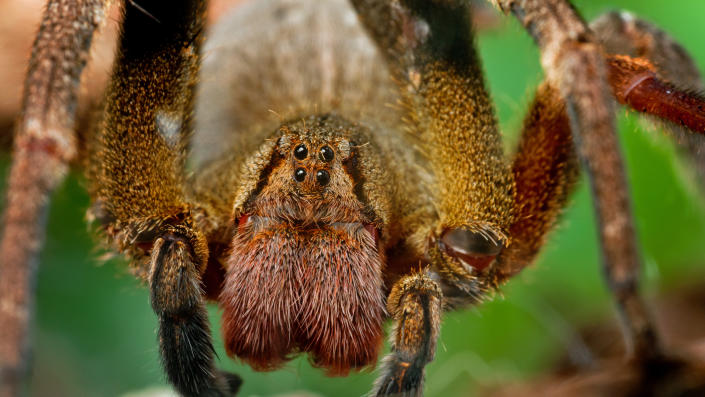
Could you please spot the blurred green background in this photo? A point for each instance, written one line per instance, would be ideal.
(95, 333)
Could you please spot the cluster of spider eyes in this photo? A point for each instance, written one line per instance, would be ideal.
(324, 154)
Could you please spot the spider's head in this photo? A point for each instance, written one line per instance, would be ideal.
(315, 170)
(312, 166)
(305, 269)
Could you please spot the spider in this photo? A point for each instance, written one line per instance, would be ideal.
(312, 228)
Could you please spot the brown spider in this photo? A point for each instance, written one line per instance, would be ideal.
(312, 229)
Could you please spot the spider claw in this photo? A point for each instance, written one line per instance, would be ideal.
(233, 382)
(401, 379)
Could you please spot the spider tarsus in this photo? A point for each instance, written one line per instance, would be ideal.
(188, 356)
(401, 379)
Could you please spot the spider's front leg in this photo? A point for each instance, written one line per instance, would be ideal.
(137, 183)
(184, 333)
(429, 47)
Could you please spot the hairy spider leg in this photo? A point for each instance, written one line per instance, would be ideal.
(576, 97)
(664, 81)
(545, 171)
(636, 83)
(621, 33)
(415, 304)
(545, 166)
(137, 182)
(44, 144)
(429, 47)
(574, 63)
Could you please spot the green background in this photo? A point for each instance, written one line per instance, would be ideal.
(95, 332)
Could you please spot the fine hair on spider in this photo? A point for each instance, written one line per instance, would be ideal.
(379, 190)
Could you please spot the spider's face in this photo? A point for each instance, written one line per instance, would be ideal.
(305, 270)
(311, 183)
(310, 177)
(313, 166)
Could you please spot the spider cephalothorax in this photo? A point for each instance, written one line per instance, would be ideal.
(394, 200)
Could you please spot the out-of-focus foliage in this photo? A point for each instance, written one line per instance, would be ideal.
(95, 330)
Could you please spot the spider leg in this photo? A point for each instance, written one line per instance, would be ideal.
(137, 178)
(574, 64)
(623, 34)
(636, 83)
(545, 171)
(545, 167)
(44, 144)
(184, 332)
(415, 305)
(429, 45)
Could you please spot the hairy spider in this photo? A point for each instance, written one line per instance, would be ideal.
(310, 229)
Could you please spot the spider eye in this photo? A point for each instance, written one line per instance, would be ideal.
(474, 250)
(323, 177)
(300, 152)
(326, 154)
(300, 174)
